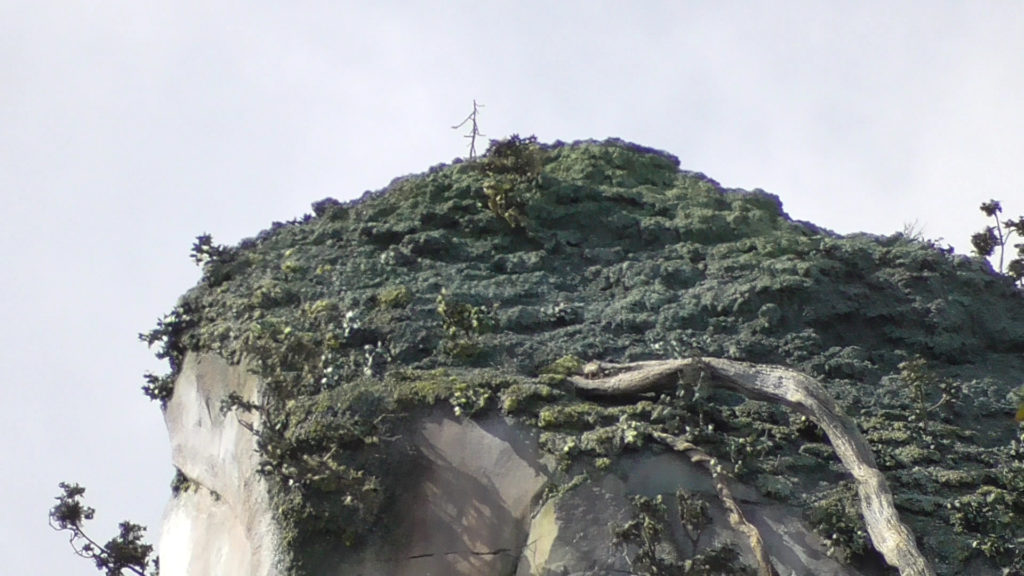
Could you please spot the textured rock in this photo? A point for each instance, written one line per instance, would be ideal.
(570, 533)
(463, 508)
(221, 523)
(469, 505)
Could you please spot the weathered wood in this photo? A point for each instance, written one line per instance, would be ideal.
(798, 392)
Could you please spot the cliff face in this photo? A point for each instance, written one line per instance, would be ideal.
(386, 387)
(470, 500)
(219, 521)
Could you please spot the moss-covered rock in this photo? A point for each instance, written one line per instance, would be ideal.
(471, 287)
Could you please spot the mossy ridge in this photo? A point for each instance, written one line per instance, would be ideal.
(621, 256)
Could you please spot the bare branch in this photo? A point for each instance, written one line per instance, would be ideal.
(798, 392)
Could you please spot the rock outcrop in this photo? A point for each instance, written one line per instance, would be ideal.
(429, 381)
(471, 501)
(219, 521)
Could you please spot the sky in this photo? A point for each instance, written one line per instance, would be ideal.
(129, 128)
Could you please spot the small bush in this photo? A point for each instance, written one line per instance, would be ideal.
(158, 388)
(511, 167)
(462, 319)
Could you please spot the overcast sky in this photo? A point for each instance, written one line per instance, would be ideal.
(128, 128)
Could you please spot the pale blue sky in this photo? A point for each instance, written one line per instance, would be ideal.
(127, 128)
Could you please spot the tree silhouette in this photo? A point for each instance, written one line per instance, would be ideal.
(998, 236)
(126, 551)
(475, 131)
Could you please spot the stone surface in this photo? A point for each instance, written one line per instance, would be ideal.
(463, 509)
(221, 524)
(469, 505)
(570, 533)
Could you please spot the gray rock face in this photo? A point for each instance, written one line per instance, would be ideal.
(470, 504)
(221, 523)
(570, 533)
(466, 507)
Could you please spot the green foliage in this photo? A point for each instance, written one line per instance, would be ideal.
(923, 383)
(205, 251)
(169, 336)
(468, 399)
(564, 366)
(124, 552)
(836, 517)
(511, 167)
(644, 533)
(625, 253)
(514, 156)
(653, 553)
(998, 236)
(522, 397)
(159, 388)
(462, 323)
(990, 516)
(460, 318)
(181, 483)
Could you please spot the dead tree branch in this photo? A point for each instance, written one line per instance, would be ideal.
(474, 132)
(798, 392)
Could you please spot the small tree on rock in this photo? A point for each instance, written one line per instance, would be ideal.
(998, 236)
(123, 554)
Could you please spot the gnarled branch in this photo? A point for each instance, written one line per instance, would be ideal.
(798, 392)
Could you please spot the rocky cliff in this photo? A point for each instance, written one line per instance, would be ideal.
(430, 381)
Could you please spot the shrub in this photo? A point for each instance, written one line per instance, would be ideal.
(511, 167)
(645, 535)
(460, 318)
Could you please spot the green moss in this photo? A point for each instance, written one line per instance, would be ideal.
(525, 397)
(578, 416)
(959, 478)
(564, 366)
(394, 297)
(422, 387)
(915, 455)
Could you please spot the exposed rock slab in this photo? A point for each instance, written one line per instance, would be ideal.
(464, 504)
(571, 533)
(469, 501)
(221, 524)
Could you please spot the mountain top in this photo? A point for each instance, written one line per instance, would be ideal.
(487, 284)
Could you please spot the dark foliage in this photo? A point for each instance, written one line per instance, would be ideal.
(124, 553)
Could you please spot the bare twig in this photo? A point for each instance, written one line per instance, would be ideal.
(474, 132)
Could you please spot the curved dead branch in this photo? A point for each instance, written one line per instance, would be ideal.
(798, 392)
